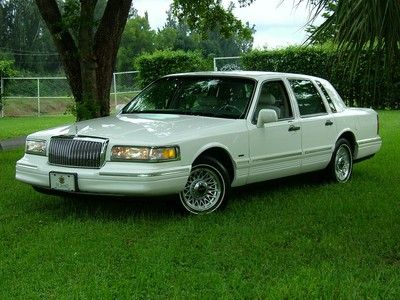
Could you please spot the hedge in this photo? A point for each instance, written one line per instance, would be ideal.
(160, 63)
(362, 89)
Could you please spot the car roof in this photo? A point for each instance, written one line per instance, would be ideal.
(258, 75)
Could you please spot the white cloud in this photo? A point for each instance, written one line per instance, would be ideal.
(278, 23)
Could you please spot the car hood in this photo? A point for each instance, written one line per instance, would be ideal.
(149, 129)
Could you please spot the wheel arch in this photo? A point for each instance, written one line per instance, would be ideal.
(351, 138)
(221, 154)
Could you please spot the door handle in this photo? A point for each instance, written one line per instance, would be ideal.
(328, 123)
(294, 128)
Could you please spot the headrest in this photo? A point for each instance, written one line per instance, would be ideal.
(267, 98)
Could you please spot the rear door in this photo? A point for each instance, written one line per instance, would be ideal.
(318, 129)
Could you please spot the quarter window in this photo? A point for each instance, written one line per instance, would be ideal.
(308, 98)
(337, 100)
(327, 97)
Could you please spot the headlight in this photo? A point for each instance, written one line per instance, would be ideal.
(145, 154)
(37, 147)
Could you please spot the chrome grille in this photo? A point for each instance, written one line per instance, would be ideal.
(77, 151)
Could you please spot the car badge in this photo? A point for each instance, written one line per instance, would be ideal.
(61, 180)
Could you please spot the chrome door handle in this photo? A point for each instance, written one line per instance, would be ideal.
(294, 128)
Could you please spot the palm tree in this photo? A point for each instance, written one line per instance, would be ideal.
(362, 26)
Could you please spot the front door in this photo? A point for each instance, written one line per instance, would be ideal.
(275, 149)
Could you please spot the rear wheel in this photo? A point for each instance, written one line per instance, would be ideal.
(341, 165)
(207, 187)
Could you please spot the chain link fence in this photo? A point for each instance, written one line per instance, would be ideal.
(228, 63)
(27, 96)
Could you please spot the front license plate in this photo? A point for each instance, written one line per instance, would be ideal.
(63, 181)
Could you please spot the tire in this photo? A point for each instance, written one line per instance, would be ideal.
(207, 187)
(341, 166)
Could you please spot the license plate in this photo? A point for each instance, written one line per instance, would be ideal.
(63, 181)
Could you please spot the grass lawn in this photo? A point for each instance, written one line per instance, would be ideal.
(289, 238)
(17, 126)
(15, 107)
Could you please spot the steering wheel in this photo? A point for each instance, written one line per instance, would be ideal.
(230, 107)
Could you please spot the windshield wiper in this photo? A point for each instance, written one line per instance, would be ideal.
(185, 112)
(154, 111)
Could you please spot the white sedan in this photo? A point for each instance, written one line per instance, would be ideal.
(199, 134)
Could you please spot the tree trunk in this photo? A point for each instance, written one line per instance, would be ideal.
(65, 45)
(106, 43)
(90, 64)
(88, 109)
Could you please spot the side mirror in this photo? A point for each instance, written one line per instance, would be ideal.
(118, 108)
(266, 116)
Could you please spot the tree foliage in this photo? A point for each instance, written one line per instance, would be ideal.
(24, 37)
(178, 35)
(206, 15)
(362, 26)
(328, 35)
(137, 38)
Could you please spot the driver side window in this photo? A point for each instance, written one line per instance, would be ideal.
(273, 95)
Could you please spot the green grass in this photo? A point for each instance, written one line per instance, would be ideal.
(291, 238)
(18, 126)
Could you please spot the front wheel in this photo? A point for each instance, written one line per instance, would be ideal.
(341, 165)
(207, 187)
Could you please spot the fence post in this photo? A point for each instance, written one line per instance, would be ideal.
(38, 96)
(1, 96)
(115, 89)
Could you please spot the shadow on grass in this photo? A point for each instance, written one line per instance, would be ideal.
(280, 185)
(112, 207)
(162, 207)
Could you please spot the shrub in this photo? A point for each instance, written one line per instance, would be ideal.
(160, 63)
(6, 69)
(362, 89)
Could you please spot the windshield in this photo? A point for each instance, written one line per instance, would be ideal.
(223, 97)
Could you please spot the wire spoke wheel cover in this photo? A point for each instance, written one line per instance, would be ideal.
(343, 163)
(204, 190)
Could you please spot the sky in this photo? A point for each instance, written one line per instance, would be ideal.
(277, 23)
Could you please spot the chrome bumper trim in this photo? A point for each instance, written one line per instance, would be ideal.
(369, 141)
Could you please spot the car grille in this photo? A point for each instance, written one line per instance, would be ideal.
(77, 151)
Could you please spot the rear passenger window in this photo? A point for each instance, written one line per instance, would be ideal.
(308, 98)
(328, 98)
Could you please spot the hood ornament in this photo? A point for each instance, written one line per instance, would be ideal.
(76, 129)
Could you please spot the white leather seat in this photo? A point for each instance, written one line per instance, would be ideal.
(267, 101)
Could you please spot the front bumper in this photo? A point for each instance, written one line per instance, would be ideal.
(117, 178)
